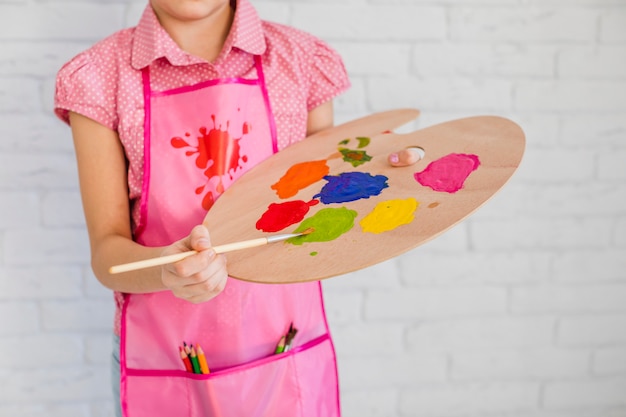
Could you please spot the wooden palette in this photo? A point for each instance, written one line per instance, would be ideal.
(405, 213)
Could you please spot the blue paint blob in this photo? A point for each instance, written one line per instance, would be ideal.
(351, 186)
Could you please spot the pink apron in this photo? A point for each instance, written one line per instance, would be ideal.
(198, 141)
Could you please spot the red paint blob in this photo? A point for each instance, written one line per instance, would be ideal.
(281, 215)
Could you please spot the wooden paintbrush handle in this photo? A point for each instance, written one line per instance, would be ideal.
(147, 263)
(168, 259)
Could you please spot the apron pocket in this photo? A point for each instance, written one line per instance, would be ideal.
(299, 383)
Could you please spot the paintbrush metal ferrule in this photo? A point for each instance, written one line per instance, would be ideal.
(278, 238)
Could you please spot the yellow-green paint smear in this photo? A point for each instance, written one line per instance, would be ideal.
(328, 224)
(387, 215)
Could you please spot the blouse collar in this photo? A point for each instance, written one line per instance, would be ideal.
(152, 42)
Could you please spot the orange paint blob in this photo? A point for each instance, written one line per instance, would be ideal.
(300, 176)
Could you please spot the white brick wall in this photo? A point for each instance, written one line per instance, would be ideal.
(520, 311)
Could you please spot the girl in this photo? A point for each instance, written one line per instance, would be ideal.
(164, 117)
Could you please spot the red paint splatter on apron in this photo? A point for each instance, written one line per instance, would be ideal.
(218, 154)
(281, 215)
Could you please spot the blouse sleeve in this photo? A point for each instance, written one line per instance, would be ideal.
(83, 87)
(328, 76)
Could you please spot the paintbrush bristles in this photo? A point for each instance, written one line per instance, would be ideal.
(308, 231)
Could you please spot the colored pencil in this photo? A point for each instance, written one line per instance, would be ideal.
(186, 360)
(163, 260)
(290, 336)
(280, 347)
(194, 361)
(204, 367)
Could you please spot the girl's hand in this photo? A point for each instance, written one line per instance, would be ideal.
(199, 277)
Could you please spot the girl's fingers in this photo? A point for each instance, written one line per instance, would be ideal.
(206, 290)
(192, 265)
(199, 238)
(198, 277)
(406, 157)
(203, 289)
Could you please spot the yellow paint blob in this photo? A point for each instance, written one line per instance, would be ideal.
(387, 215)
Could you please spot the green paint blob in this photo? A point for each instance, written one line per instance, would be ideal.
(355, 157)
(313, 254)
(363, 141)
(329, 224)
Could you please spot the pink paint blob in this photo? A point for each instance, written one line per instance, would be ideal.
(449, 172)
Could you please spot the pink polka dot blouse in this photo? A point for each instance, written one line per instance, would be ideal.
(104, 82)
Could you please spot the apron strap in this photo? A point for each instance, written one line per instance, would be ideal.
(268, 107)
(145, 186)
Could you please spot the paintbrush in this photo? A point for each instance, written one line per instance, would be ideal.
(229, 247)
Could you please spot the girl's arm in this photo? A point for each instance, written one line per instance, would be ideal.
(103, 185)
(320, 118)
